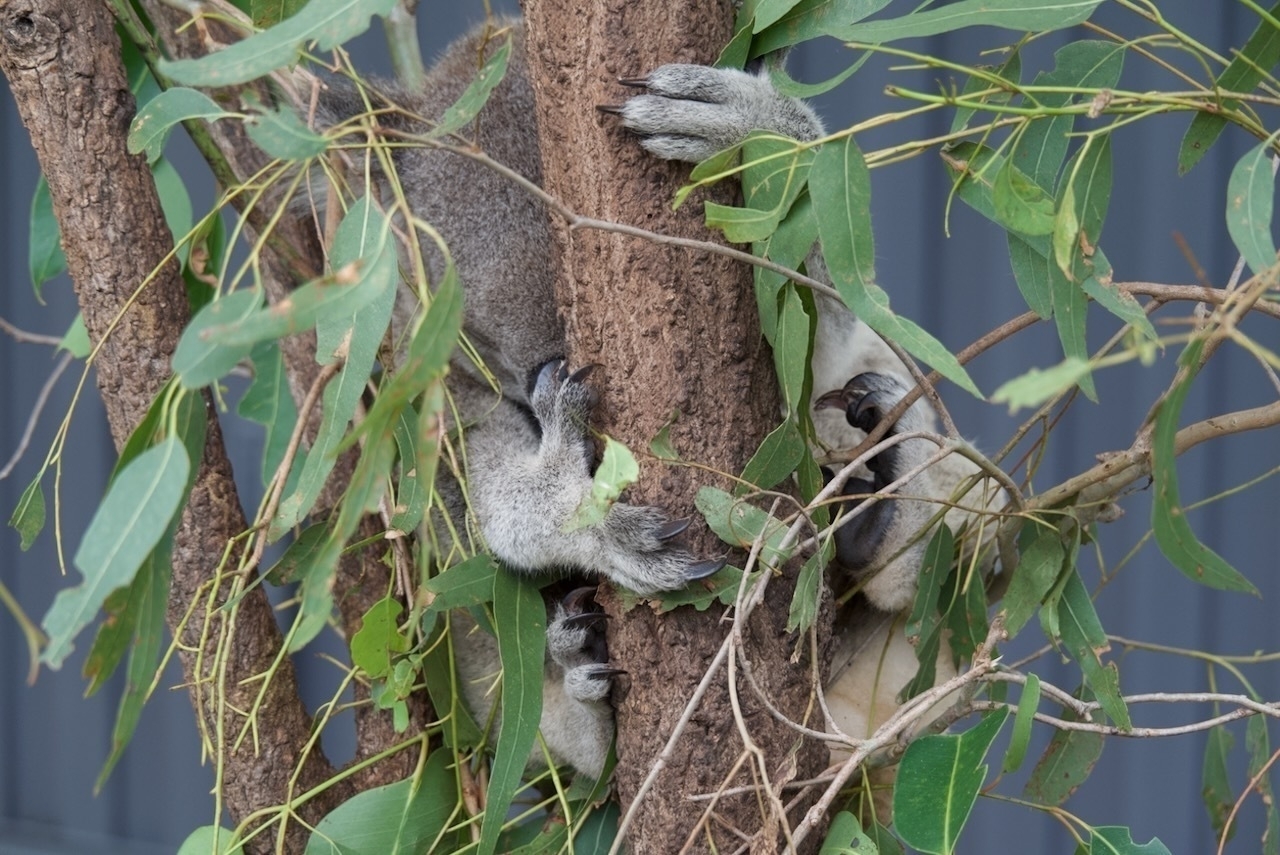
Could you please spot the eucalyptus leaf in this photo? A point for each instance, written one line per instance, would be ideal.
(324, 23)
(521, 620)
(1168, 517)
(128, 524)
(1250, 192)
(938, 782)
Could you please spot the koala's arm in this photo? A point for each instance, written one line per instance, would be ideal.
(528, 472)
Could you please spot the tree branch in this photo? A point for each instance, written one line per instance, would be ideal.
(61, 58)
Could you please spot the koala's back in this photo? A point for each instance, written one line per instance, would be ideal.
(496, 231)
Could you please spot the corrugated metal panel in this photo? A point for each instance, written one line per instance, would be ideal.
(52, 742)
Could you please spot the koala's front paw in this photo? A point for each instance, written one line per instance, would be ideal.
(638, 553)
(690, 112)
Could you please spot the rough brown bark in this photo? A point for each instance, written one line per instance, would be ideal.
(291, 256)
(61, 58)
(674, 332)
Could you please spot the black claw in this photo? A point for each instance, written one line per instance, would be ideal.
(837, 400)
(581, 374)
(672, 528)
(634, 82)
(703, 569)
(613, 109)
(577, 599)
(586, 620)
(606, 673)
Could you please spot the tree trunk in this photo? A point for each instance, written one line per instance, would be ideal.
(674, 332)
(62, 61)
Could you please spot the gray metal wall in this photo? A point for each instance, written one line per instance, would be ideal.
(53, 742)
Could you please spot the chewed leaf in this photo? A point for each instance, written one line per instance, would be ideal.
(199, 360)
(938, 782)
(1037, 386)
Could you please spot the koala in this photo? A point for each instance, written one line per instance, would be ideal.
(525, 422)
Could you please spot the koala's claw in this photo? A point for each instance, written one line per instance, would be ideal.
(672, 529)
(703, 569)
(587, 620)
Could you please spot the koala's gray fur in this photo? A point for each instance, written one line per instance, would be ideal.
(528, 462)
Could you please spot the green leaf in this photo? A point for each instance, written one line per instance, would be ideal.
(268, 13)
(1037, 386)
(1022, 15)
(1245, 71)
(1021, 738)
(45, 258)
(845, 837)
(406, 817)
(176, 204)
(739, 524)
(463, 585)
(1249, 206)
(1215, 781)
(281, 134)
(520, 617)
(1084, 638)
(362, 236)
(198, 360)
(269, 402)
(1116, 840)
(938, 782)
(1079, 65)
(1066, 230)
(150, 128)
(841, 189)
(792, 349)
(805, 600)
(789, 245)
(1168, 518)
(76, 340)
(210, 840)
(1040, 563)
(326, 23)
(1120, 304)
(769, 11)
(151, 587)
(463, 111)
(1010, 71)
(1020, 204)
(378, 638)
(810, 19)
(28, 516)
(777, 457)
(617, 471)
(300, 556)
(128, 524)
(1062, 768)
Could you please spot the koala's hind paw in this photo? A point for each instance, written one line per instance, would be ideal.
(690, 112)
(576, 642)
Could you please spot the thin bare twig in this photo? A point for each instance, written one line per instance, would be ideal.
(36, 409)
(21, 335)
